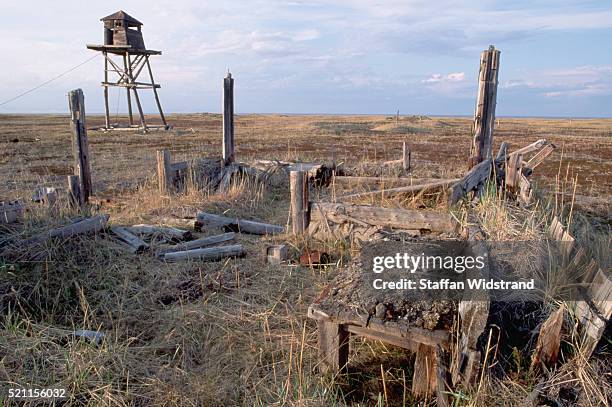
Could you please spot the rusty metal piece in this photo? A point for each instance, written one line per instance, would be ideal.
(314, 258)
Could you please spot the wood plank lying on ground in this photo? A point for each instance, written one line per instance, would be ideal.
(88, 225)
(366, 215)
(351, 180)
(386, 193)
(136, 244)
(196, 244)
(206, 254)
(173, 233)
(474, 177)
(239, 225)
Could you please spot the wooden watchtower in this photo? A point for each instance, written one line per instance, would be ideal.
(123, 40)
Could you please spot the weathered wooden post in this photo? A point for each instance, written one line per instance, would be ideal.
(164, 169)
(74, 191)
(405, 157)
(484, 116)
(300, 216)
(80, 145)
(228, 119)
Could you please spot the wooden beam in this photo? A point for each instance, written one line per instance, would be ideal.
(405, 157)
(196, 244)
(474, 177)
(159, 108)
(228, 119)
(300, 214)
(167, 231)
(80, 144)
(74, 191)
(484, 116)
(239, 225)
(164, 172)
(206, 254)
(135, 244)
(386, 193)
(333, 347)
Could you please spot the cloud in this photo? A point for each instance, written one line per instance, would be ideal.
(451, 77)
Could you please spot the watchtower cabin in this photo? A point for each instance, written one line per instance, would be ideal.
(126, 56)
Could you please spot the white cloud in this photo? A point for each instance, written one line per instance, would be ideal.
(451, 77)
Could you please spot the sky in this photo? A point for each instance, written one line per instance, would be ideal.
(315, 56)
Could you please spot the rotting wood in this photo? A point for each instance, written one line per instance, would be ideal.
(387, 193)
(74, 191)
(276, 254)
(300, 214)
(164, 172)
(88, 225)
(11, 212)
(239, 225)
(539, 157)
(406, 155)
(472, 180)
(228, 119)
(136, 244)
(196, 244)
(333, 347)
(206, 254)
(549, 340)
(484, 115)
(80, 144)
(387, 181)
(166, 231)
(320, 174)
(372, 216)
(425, 380)
(536, 145)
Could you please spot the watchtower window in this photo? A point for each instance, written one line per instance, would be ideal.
(118, 23)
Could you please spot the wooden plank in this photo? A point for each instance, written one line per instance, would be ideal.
(80, 144)
(240, 225)
(387, 181)
(539, 157)
(300, 214)
(513, 171)
(474, 177)
(381, 217)
(425, 378)
(206, 254)
(74, 191)
(375, 335)
(136, 244)
(406, 155)
(387, 193)
(164, 172)
(549, 341)
(333, 347)
(228, 119)
(172, 233)
(196, 244)
(536, 145)
(88, 225)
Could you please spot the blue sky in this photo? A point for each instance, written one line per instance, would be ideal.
(342, 56)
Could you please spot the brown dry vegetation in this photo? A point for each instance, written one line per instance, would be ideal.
(235, 332)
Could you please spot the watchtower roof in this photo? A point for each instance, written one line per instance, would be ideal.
(121, 15)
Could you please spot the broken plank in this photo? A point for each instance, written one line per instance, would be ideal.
(206, 254)
(240, 225)
(386, 193)
(173, 233)
(196, 244)
(136, 244)
(549, 340)
(88, 225)
(474, 177)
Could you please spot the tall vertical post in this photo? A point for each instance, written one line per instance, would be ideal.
(161, 113)
(405, 157)
(164, 171)
(106, 110)
(80, 145)
(74, 191)
(127, 88)
(228, 119)
(300, 216)
(131, 80)
(484, 116)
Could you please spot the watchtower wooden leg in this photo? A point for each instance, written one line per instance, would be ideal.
(430, 374)
(333, 347)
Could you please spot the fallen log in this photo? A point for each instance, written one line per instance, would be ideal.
(207, 254)
(371, 219)
(351, 180)
(239, 225)
(89, 225)
(474, 177)
(135, 244)
(386, 193)
(196, 244)
(171, 232)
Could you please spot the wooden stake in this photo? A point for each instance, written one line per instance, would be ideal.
(74, 191)
(405, 157)
(300, 215)
(228, 119)
(164, 172)
(80, 145)
(333, 347)
(484, 116)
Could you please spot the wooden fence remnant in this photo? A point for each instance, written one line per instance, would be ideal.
(389, 192)
(163, 231)
(206, 254)
(300, 214)
(164, 172)
(406, 157)
(484, 116)
(196, 244)
(474, 179)
(228, 119)
(11, 212)
(80, 145)
(239, 225)
(74, 191)
(549, 340)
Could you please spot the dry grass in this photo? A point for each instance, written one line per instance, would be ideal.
(235, 332)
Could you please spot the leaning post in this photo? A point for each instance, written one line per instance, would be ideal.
(228, 119)
(300, 216)
(80, 145)
(484, 116)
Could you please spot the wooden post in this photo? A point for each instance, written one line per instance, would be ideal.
(405, 157)
(129, 98)
(484, 116)
(80, 145)
(74, 191)
(161, 113)
(299, 201)
(131, 81)
(164, 171)
(106, 109)
(228, 119)
(333, 347)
